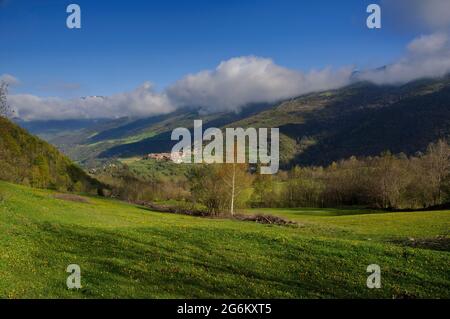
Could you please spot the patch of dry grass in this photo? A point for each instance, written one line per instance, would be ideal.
(71, 198)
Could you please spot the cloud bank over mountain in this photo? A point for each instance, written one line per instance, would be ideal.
(235, 83)
(232, 85)
(143, 101)
(239, 81)
(427, 56)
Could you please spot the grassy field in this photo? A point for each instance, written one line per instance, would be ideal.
(127, 251)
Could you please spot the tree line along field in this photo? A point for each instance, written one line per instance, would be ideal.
(128, 251)
(386, 181)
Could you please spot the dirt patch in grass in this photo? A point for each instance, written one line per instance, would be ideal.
(258, 218)
(171, 209)
(71, 198)
(265, 219)
(441, 243)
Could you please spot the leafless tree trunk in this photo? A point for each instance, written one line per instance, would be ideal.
(233, 189)
(4, 106)
(438, 164)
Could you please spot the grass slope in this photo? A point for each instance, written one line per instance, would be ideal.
(127, 251)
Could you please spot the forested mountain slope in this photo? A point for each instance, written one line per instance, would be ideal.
(25, 159)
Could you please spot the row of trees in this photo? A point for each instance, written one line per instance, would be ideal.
(131, 186)
(216, 188)
(385, 181)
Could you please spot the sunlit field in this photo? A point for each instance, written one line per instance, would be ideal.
(128, 251)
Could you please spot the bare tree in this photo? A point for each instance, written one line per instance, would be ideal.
(389, 180)
(437, 163)
(5, 109)
(236, 178)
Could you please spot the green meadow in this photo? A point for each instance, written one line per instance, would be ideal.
(127, 251)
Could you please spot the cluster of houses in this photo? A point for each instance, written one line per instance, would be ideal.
(158, 156)
(166, 157)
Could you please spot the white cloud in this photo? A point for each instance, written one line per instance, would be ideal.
(9, 79)
(141, 102)
(428, 44)
(235, 83)
(232, 85)
(243, 80)
(428, 56)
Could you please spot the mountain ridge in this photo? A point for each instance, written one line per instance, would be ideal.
(361, 119)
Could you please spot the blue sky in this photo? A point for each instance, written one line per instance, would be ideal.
(125, 43)
(153, 57)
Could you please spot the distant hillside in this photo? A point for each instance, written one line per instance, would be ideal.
(127, 137)
(53, 128)
(25, 159)
(362, 119)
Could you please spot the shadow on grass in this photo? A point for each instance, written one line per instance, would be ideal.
(167, 261)
(155, 263)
